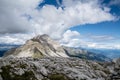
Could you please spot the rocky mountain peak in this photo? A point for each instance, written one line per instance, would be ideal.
(41, 37)
(39, 46)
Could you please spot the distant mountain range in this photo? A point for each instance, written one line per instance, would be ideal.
(111, 53)
(5, 47)
(85, 54)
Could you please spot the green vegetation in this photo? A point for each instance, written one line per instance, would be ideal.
(57, 76)
(23, 66)
(6, 72)
(37, 53)
(8, 75)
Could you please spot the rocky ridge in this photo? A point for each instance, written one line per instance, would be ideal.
(57, 69)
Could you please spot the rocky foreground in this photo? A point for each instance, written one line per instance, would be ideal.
(57, 69)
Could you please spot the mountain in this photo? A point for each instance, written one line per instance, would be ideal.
(37, 47)
(85, 54)
(57, 68)
(43, 46)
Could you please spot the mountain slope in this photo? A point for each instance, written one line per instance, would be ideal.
(39, 46)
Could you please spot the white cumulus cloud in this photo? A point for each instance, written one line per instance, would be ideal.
(74, 39)
(24, 18)
(68, 36)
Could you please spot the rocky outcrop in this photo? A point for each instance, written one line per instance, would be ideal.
(56, 68)
(51, 69)
(114, 67)
(39, 46)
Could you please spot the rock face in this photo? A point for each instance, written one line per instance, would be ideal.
(51, 69)
(85, 54)
(56, 68)
(114, 67)
(39, 46)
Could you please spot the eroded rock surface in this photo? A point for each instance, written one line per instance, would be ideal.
(57, 69)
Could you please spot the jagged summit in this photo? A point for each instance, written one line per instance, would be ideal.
(39, 46)
(39, 37)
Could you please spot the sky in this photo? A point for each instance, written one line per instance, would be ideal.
(73, 23)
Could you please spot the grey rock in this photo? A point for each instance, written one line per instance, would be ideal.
(72, 68)
(1, 78)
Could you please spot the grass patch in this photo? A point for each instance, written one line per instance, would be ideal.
(57, 76)
(6, 74)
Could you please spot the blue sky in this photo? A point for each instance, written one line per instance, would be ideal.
(111, 28)
(105, 28)
(74, 23)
